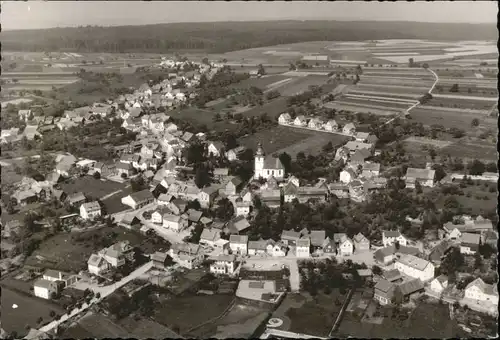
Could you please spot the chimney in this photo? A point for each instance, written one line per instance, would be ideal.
(60, 276)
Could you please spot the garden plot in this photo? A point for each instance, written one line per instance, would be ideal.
(395, 81)
(448, 119)
(461, 103)
(392, 88)
(395, 95)
(301, 85)
(427, 141)
(465, 97)
(455, 110)
(412, 75)
(373, 102)
(313, 145)
(362, 109)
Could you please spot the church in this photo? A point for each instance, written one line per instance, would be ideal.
(267, 167)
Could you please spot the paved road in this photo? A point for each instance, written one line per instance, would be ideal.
(104, 291)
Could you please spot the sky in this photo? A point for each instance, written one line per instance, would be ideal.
(41, 14)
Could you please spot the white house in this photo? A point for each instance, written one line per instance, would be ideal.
(345, 246)
(331, 126)
(174, 222)
(97, 264)
(315, 123)
(207, 195)
(469, 243)
(224, 264)
(423, 176)
(370, 170)
(277, 249)
(303, 247)
(215, 148)
(242, 208)
(187, 255)
(267, 167)
(361, 136)
(300, 121)
(138, 199)
(45, 288)
(90, 210)
(347, 175)
(415, 267)
(284, 119)
(439, 284)
(209, 236)
(238, 244)
(480, 291)
(390, 237)
(349, 129)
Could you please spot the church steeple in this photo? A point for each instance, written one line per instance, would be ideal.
(260, 150)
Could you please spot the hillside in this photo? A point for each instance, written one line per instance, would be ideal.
(222, 37)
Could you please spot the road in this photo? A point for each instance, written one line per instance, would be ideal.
(104, 291)
(317, 130)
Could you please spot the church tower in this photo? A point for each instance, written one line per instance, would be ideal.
(259, 162)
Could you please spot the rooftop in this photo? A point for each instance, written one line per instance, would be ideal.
(414, 262)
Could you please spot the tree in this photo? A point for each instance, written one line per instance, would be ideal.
(292, 67)
(97, 175)
(138, 184)
(377, 270)
(217, 117)
(454, 88)
(202, 176)
(124, 175)
(205, 61)
(328, 147)
(418, 187)
(475, 122)
(225, 209)
(432, 153)
(439, 172)
(452, 261)
(286, 160)
(261, 71)
(491, 167)
(478, 261)
(52, 313)
(476, 168)
(425, 66)
(451, 203)
(410, 62)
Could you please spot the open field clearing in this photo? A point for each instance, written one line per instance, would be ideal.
(472, 150)
(391, 89)
(465, 97)
(313, 145)
(471, 81)
(396, 95)
(487, 73)
(411, 75)
(395, 81)
(455, 110)
(362, 109)
(448, 119)
(95, 188)
(28, 310)
(377, 103)
(190, 311)
(301, 85)
(262, 83)
(276, 138)
(467, 90)
(427, 141)
(427, 321)
(461, 103)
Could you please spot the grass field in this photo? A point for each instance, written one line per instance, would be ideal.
(28, 310)
(352, 107)
(448, 119)
(190, 311)
(472, 150)
(301, 84)
(427, 321)
(262, 83)
(91, 187)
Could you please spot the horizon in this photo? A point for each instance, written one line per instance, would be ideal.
(46, 15)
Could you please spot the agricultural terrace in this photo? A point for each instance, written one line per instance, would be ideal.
(301, 84)
(449, 119)
(461, 104)
(352, 106)
(262, 83)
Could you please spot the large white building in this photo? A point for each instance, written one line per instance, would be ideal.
(267, 167)
(45, 288)
(238, 244)
(224, 264)
(415, 267)
(480, 291)
(389, 237)
(90, 210)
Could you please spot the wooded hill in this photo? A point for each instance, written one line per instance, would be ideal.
(222, 37)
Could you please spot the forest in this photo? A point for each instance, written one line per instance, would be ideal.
(222, 37)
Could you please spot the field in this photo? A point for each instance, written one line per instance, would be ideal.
(190, 311)
(291, 140)
(28, 310)
(352, 107)
(301, 84)
(426, 321)
(91, 187)
(449, 119)
(262, 83)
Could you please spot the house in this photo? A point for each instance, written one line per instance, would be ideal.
(224, 264)
(159, 260)
(482, 292)
(359, 157)
(24, 114)
(349, 129)
(361, 136)
(284, 119)
(361, 243)
(24, 197)
(290, 237)
(237, 225)
(238, 244)
(469, 243)
(345, 246)
(317, 238)
(164, 199)
(315, 123)
(353, 146)
(439, 251)
(157, 215)
(384, 292)
(393, 276)
(45, 289)
(408, 288)
(339, 190)
(209, 236)
(90, 210)
(66, 279)
(425, 177)
(372, 139)
(331, 126)
(177, 206)
(439, 284)
(234, 154)
(117, 254)
(342, 153)
(97, 264)
(64, 163)
(194, 216)
(385, 255)
(124, 168)
(76, 199)
(220, 173)
(257, 247)
(138, 199)
(390, 237)
(174, 222)
(215, 148)
(187, 255)
(267, 167)
(303, 247)
(242, 208)
(207, 195)
(415, 267)
(347, 176)
(30, 132)
(329, 246)
(370, 170)
(300, 121)
(271, 198)
(233, 186)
